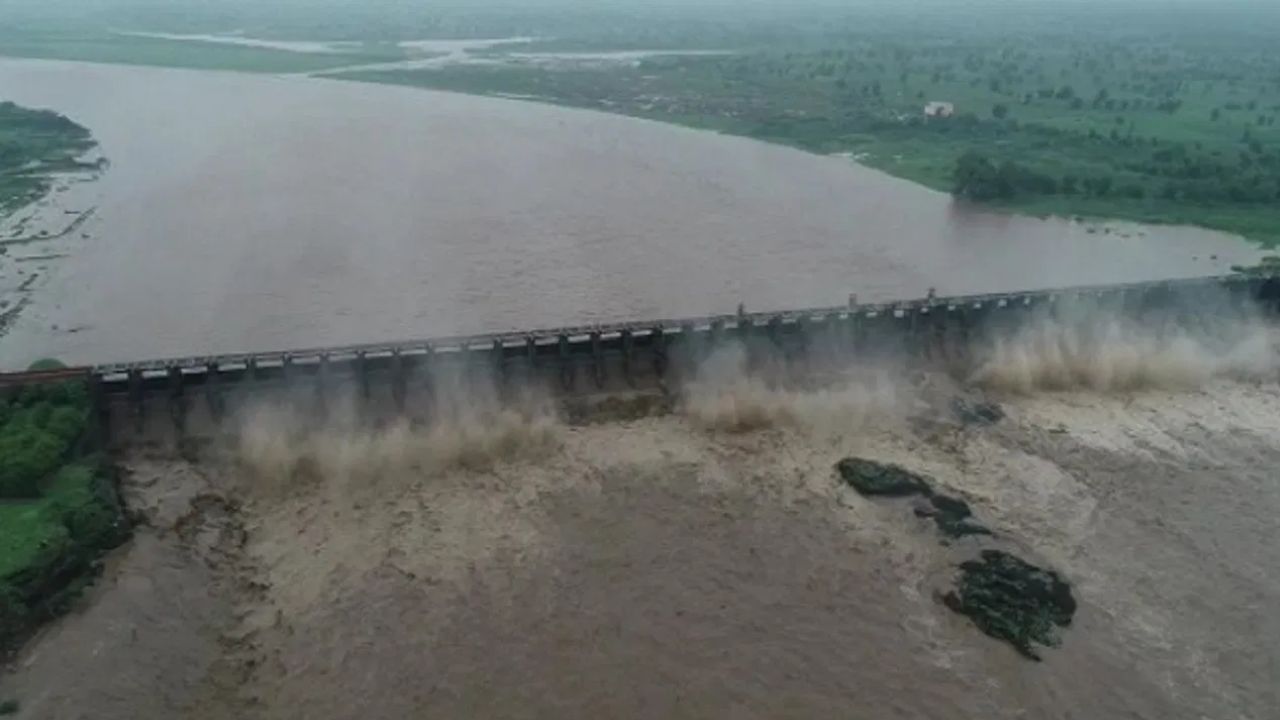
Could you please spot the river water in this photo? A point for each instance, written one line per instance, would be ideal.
(687, 565)
(245, 212)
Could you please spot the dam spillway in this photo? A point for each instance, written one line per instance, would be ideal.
(403, 378)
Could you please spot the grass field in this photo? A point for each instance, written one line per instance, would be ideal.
(36, 532)
(1149, 132)
(105, 47)
(1119, 110)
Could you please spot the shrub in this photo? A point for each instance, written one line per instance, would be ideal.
(27, 455)
(79, 499)
(35, 438)
(46, 364)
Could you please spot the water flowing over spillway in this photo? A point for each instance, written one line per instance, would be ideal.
(693, 552)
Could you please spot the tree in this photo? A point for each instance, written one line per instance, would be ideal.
(1217, 113)
(1000, 111)
(975, 177)
(1098, 186)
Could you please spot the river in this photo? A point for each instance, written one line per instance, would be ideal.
(245, 212)
(673, 566)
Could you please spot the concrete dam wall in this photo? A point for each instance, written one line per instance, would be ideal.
(194, 395)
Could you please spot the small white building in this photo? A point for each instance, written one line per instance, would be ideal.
(939, 109)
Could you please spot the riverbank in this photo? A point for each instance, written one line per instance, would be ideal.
(105, 46)
(1109, 112)
(59, 512)
(816, 116)
(494, 215)
(38, 146)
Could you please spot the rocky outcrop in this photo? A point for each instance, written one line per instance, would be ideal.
(1005, 596)
(1011, 599)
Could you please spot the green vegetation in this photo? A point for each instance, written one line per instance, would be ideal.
(1143, 110)
(9, 707)
(58, 508)
(107, 47)
(34, 144)
(1171, 123)
(44, 364)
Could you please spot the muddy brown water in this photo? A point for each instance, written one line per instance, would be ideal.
(662, 567)
(250, 212)
(667, 568)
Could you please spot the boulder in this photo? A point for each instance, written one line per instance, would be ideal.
(871, 478)
(1013, 600)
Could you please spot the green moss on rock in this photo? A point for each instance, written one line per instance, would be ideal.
(1013, 600)
(952, 515)
(879, 479)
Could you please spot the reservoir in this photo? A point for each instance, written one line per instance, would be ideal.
(250, 212)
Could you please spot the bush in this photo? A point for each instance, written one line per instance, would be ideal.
(81, 502)
(46, 364)
(27, 455)
(37, 432)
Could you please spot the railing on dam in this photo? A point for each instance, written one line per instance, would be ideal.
(619, 356)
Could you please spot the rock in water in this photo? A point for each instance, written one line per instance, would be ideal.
(1013, 600)
(873, 478)
(869, 478)
(952, 516)
(978, 412)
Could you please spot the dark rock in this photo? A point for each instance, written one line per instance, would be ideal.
(924, 509)
(957, 509)
(977, 412)
(953, 517)
(1013, 600)
(872, 478)
(869, 478)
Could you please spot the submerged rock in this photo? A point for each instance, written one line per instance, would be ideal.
(952, 515)
(979, 412)
(872, 478)
(1013, 600)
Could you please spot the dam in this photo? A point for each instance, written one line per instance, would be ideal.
(193, 394)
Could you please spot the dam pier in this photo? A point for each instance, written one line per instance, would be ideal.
(194, 394)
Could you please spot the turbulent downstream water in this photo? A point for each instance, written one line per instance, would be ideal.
(246, 212)
(702, 563)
